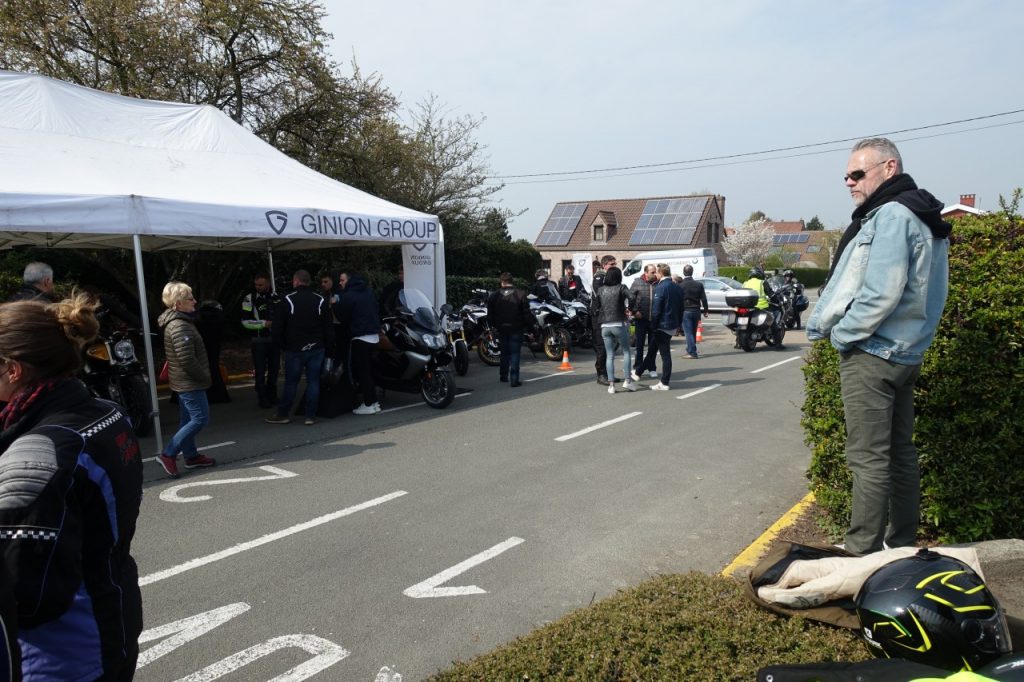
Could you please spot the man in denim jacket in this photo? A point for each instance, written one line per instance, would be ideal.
(880, 308)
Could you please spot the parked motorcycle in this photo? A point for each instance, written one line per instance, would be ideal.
(413, 355)
(478, 331)
(113, 372)
(798, 302)
(580, 328)
(751, 324)
(549, 333)
(457, 346)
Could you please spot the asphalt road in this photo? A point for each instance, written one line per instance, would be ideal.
(418, 536)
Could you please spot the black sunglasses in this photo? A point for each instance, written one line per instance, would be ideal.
(858, 175)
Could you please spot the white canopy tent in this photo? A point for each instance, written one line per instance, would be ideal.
(85, 169)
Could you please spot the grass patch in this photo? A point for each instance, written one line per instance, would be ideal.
(688, 626)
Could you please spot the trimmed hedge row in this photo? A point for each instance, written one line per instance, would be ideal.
(969, 398)
(812, 278)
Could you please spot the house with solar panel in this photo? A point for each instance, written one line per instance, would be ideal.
(625, 228)
(800, 248)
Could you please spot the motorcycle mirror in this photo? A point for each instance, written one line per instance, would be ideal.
(446, 309)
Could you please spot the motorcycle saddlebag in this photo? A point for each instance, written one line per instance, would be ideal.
(800, 303)
(741, 298)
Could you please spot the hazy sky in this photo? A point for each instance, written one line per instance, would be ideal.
(572, 85)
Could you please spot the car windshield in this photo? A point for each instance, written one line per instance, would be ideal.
(633, 267)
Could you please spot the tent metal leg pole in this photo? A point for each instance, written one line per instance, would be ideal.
(270, 261)
(147, 341)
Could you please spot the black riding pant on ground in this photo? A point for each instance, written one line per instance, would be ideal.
(359, 364)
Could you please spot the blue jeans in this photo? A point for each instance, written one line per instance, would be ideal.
(294, 362)
(510, 346)
(691, 318)
(644, 360)
(610, 335)
(194, 414)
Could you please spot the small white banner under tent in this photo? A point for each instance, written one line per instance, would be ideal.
(85, 169)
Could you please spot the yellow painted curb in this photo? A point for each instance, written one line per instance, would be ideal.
(751, 554)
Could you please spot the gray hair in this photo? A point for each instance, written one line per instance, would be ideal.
(884, 146)
(36, 272)
(175, 292)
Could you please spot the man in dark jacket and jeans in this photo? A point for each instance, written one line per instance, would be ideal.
(359, 316)
(302, 327)
(641, 299)
(601, 362)
(666, 318)
(694, 300)
(508, 311)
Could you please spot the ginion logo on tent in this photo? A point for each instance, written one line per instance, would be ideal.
(278, 217)
(419, 247)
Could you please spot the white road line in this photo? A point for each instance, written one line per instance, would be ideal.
(429, 587)
(595, 427)
(252, 544)
(205, 447)
(698, 392)
(548, 376)
(406, 407)
(764, 369)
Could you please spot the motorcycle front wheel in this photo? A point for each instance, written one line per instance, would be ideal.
(487, 348)
(461, 360)
(778, 334)
(745, 340)
(556, 343)
(135, 401)
(437, 388)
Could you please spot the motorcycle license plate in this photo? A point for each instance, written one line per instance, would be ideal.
(741, 322)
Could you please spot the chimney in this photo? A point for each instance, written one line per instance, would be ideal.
(967, 200)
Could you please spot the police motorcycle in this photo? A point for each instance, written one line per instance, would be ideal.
(798, 302)
(551, 319)
(112, 371)
(751, 324)
(452, 325)
(477, 330)
(412, 355)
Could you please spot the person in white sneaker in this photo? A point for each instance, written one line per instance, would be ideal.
(613, 302)
(641, 298)
(359, 315)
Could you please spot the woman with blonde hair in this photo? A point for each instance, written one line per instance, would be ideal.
(188, 372)
(70, 490)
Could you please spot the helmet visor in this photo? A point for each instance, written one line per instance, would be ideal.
(989, 635)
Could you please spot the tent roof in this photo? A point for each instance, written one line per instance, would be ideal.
(88, 169)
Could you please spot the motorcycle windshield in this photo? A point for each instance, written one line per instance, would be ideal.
(423, 314)
(773, 284)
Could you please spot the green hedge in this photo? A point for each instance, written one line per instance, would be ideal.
(812, 278)
(969, 398)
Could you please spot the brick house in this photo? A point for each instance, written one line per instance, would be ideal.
(625, 228)
(965, 207)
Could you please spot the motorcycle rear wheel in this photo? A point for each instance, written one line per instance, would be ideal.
(745, 340)
(778, 334)
(438, 388)
(487, 348)
(556, 343)
(461, 360)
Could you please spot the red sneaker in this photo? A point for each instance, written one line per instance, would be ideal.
(200, 462)
(169, 464)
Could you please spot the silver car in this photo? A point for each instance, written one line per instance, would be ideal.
(716, 288)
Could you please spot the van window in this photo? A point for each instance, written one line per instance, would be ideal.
(633, 267)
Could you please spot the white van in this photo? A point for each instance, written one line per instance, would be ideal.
(704, 262)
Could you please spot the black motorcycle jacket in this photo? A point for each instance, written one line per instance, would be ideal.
(257, 310)
(694, 297)
(508, 311)
(613, 300)
(70, 490)
(302, 321)
(357, 310)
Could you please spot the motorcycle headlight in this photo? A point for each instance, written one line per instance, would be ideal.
(571, 312)
(124, 350)
(433, 341)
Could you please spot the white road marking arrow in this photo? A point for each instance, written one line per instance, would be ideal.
(171, 494)
(429, 587)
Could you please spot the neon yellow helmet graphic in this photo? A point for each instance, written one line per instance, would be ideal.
(931, 609)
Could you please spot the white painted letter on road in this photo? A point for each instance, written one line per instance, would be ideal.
(171, 494)
(183, 631)
(327, 653)
(430, 586)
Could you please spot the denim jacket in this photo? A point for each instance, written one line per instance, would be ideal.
(888, 290)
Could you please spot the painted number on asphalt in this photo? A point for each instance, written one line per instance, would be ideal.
(171, 494)
(325, 652)
(430, 586)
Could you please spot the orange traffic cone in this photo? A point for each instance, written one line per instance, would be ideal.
(700, 331)
(565, 362)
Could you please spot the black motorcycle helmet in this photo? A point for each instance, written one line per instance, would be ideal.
(787, 273)
(756, 271)
(931, 609)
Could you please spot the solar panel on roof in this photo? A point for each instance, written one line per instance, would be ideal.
(668, 221)
(561, 224)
